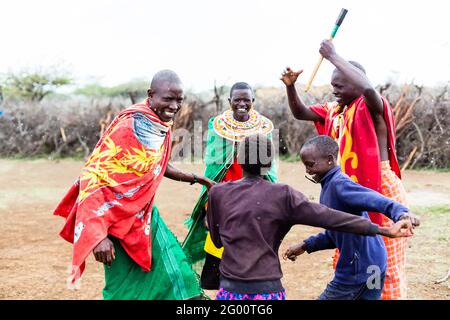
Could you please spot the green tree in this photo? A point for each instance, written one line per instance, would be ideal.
(33, 85)
(94, 90)
(132, 89)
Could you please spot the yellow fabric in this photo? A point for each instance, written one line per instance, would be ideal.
(212, 249)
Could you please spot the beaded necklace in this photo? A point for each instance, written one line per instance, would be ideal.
(229, 128)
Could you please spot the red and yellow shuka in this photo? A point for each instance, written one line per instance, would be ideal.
(115, 191)
(355, 132)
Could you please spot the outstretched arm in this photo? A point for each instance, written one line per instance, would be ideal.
(302, 211)
(298, 108)
(323, 241)
(359, 198)
(355, 76)
(179, 175)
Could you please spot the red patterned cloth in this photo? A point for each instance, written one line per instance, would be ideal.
(115, 191)
(395, 284)
(360, 159)
(358, 144)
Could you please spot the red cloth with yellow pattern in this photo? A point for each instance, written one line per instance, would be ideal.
(354, 131)
(360, 159)
(115, 191)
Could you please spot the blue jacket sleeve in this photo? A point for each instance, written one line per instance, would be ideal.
(320, 241)
(358, 198)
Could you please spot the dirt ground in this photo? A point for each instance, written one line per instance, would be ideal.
(34, 260)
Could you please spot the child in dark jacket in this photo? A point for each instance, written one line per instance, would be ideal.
(362, 263)
(250, 217)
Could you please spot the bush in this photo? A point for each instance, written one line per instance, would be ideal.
(72, 127)
(55, 128)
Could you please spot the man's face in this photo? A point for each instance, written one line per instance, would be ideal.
(241, 102)
(316, 165)
(344, 92)
(166, 99)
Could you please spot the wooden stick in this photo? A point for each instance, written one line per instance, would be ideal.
(63, 134)
(411, 155)
(333, 34)
(313, 75)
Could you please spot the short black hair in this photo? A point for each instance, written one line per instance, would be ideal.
(256, 154)
(164, 76)
(324, 144)
(240, 86)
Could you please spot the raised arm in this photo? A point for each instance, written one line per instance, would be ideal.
(356, 76)
(299, 110)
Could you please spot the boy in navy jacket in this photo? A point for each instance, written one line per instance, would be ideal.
(362, 263)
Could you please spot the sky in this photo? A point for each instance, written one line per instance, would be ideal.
(115, 41)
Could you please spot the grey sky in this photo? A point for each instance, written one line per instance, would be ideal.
(227, 41)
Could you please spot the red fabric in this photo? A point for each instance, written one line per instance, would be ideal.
(234, 172)
(359, 152)
(115, 192)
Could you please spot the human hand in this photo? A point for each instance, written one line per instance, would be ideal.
(208, 183)
(289, 76)
(327, 49)
(104, 252)
(415, 220)
(402, 228)
(293, 251)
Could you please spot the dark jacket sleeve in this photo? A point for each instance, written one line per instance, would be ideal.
(320, 241)
(212, 217)
(302, 211)
(358, 198)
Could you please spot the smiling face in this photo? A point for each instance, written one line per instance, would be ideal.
(166, 99)
(316, 163)
(344, 92)
(241, 102)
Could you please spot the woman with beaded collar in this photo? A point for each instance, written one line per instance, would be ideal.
(225, 132)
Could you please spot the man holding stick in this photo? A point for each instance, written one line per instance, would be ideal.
(362, 123)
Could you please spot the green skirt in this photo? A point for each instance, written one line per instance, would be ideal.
(170, 278)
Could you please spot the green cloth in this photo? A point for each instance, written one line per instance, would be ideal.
(219, 156)
(171, 276)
